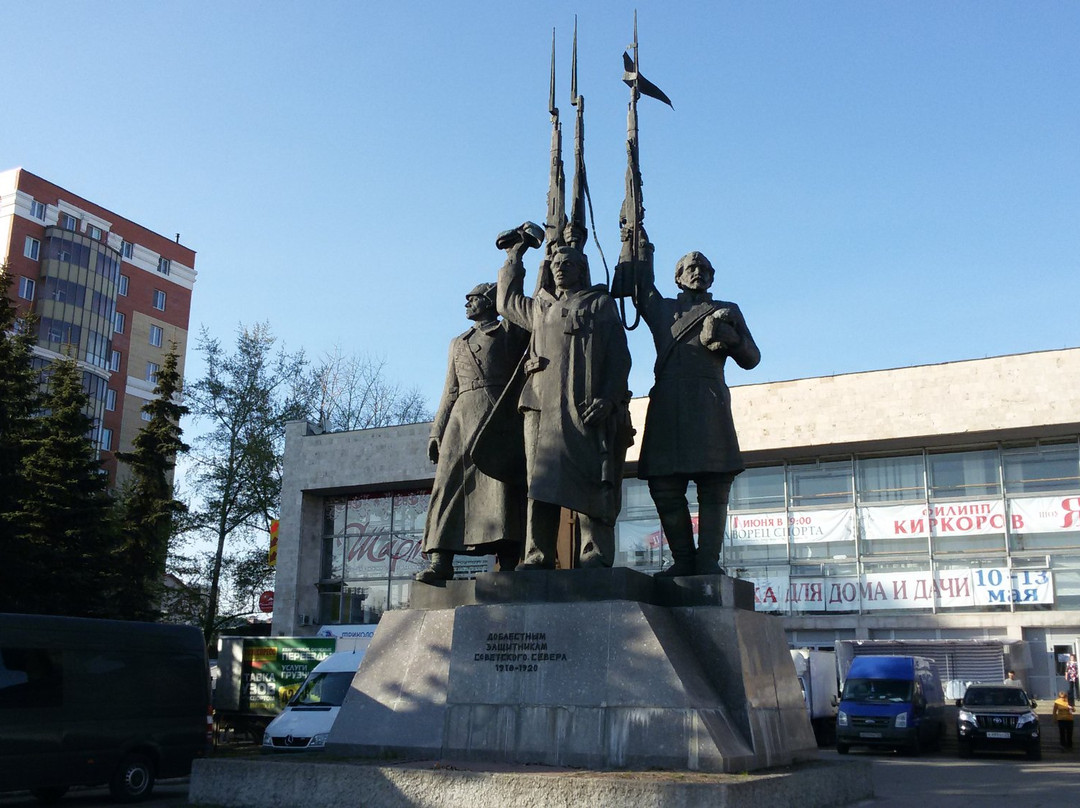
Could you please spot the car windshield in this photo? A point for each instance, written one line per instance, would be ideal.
(997, 696)
(892, 690)
(323, 689)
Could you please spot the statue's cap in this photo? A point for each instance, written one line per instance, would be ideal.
(483, 290)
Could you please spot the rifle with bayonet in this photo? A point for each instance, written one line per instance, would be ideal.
(635, 250)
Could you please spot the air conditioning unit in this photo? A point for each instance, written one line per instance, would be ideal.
(305, 620)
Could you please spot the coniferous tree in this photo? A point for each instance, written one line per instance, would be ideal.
(148, 511)
(19, 403)
(65, 526)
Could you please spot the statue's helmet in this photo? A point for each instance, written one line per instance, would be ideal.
(485, 290)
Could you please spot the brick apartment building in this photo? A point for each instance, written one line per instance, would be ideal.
(107, 291)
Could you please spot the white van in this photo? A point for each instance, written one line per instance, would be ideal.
(306, 720)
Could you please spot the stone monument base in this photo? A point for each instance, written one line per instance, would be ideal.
(304, 781)
(599, 669)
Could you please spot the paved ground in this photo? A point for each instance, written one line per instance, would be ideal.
(932, 781)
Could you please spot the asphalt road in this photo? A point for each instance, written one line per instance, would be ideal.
(932, 781)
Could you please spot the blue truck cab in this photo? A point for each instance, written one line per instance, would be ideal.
(895, 702)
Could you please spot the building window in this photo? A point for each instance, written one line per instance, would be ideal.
(32, 248)
(122, 288)
(26, 288)
(964, 474)
(156, 334)
(114, 361)
(110, 399)
(146, 416)
(118, 323)
(127, 249)
(159, 300)
(69, 222)
(93, 232)
(37, 209)
(164, 266)
(106, 439)
(152, 369)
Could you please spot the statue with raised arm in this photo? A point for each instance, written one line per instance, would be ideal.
(470, 512)
(573, 400)
(689, 431)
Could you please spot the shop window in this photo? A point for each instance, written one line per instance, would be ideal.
(891, 479)
(822, 483)
(758, 489)
(964, 474)
(1042, 469)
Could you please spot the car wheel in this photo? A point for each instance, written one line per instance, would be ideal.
(963, 749)
(842, 748)
(49, 794)
(1034, 752)
(134, 779)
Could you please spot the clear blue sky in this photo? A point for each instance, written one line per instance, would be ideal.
(879, 184)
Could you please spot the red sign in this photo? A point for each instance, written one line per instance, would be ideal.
(266, 601)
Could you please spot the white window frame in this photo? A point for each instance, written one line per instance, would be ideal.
(69, 222)
(127, 249)
(152, 370)
(110, 399)
(106, 439)
(164, 265)
(146, 416)
(37, 209)
(94, 232)
(114, 361)
(162, 300)
(157, 332)
(119, 321)
(122, 285)
(32, 248)
(27, 287)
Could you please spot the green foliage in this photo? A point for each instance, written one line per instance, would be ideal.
(148, 511)
(64, 518)
(245, 399)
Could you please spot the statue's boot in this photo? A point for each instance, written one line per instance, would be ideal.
(541, 535)
(508, 554)
(597, 543)
(712, 521)
(679, 531)
(441, 567)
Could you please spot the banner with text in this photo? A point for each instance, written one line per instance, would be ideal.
(947, 589)
(803, 527)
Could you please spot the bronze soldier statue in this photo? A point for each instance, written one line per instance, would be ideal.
(689, 432)
(574, 402)
(470, 512)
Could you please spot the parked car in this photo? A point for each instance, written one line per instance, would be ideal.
(890, 701)
(997, 717)
(306, 720)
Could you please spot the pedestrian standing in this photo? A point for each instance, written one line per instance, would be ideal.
(1063, 714)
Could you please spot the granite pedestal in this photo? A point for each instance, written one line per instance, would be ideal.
(599, 669)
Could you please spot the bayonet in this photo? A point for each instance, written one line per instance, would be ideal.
(636, 248)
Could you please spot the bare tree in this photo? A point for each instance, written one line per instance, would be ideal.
(352, 392)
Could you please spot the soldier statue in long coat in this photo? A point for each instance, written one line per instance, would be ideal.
(470, 512)
(689, 431)
(574, 402)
